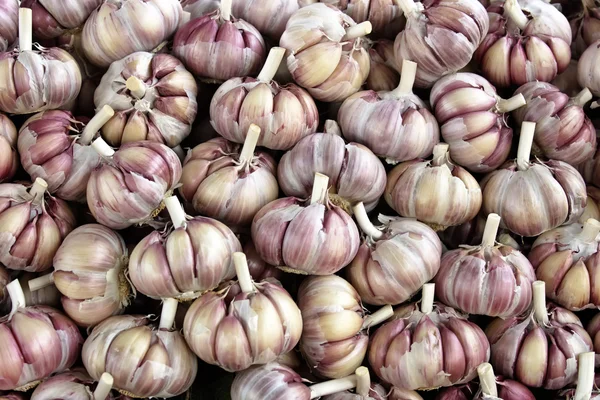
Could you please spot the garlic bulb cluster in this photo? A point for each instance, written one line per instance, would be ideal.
(383, 73)
(52, 18)
(78, 384)
(9, 23)
(9, 159)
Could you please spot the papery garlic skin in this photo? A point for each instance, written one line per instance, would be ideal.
(508, 389)
(52, 18)
(121, 27)
(259, 269)
(9, 23)
(9, 159)
(271, 381)
(77, 383)
(383, 73)
(145, 361)
(587, 73)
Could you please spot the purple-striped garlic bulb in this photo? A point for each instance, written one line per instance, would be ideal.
(177, 262)
(259, 269)
(285, 114)
(335, 335)
(395, 259)
(129, 186)
(355, 173)
(326, 52)
(37, 341)
(54, 146)
(9, 159)
(146, 359)
(543, 195)
(32, 226)
(396, 125)
(384, 73)
(563, 132)
(9, 23)
(538, 349)
(229, 182)
(440, 36)
(593, 329)
(154, 98)
(428, 347)
(490, 279)
(121, 27)
(78, 384)
(455, 200)
(243, 323)
(473, 120)
(36, 80)
(313, 237)
(218, 46)
(587, 73)
(52, 18)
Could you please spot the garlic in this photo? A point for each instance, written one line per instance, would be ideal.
(312, 237)
(490, 279)
(271, 381)
(154, 170)
(52, 18)
(154, 97)
(520, 47)
(9, 23)
(285, 114)
(543, 195)
(12, 396)
(586, 386)
(470, 233)
(567, 81)
(436, 192)
(363, 390)
(336, 330)
(47, 296)
(177, 263)
(326, 53)
(592, 205)
(383, 73)
(585, 26)
(590, 169)
(427, 348)
(243, 323)
(355, 173)
(563, 132)
(593, 329)
(440, 37)
(4, 298)
(9, 159)
(260, 270)
(587, 73)
(394, 260)
(473, 120)
(121, 27)
(77, 383)
(396, 125)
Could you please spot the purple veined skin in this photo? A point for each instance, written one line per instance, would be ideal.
(384, 73)
(9, 23)
(259, 269)
(48, 296)
(271, 381)
(587, 73)
(52, 18)
(9, 159)
(76, 382)
(585, 26)
(507, 389)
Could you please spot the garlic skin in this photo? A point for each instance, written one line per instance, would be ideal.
(259, 270)
(321, 57)
(592, 205)
(473, 120)
(144, 360)
(590, 169)
(587, 73)
(376, 392)
(12, 396)
(154, 98)
(383, 73)
(563, 132)
(436, 41)
(76, 382)
(32, 226)
(47, 296)
(271, 381)
(585, 26)
(469, 233)
(508, 389)
(9, 159)
(9, 23)
(521, 48)
(121, 27)
(52, 18)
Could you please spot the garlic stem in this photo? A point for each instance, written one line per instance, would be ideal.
(41, 282)
(365, 224)
(427, 298)
(487, 380)
(595, 104)
(38, 189)
(439, 154)
(136, 86)
(167, 315)
(95, 124)
(17, 297)
(585, 376)
(512, 10)
(271, 66)
(358, 30)
(591, 229)
(525, 143)
(582, 97)
(102, 148)
(491, 230)
(175, 211)
(363, 382)
(383, 314)
(407, 79)
(332, 127)
(333, 386)
(407, 6)
(25, 29)
(540, 313)
(243, 273)
(104, 386)
(250, 143)
(508, 105)
(225, 9)
(319, 190)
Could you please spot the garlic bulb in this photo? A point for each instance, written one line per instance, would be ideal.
(490, 279)
(9, 23)
(563, 132)
(587, 73)
(394, 260)
(473, 120)
(396, 125)
(228, 182)
(177, 262)
(243, 323)
(52, 18)
(154, 97)
(312, 237)
(383, 73)
(590, 169)
(363, 390)
(285, 114)
(12, 396)
(585, 26)
(54, 146)
(355, 173)
(36, 342)
(593, 329)
(154, 170)
(77, 383)
(427, 348)
(455, 200)
(326, 54)
(260, 270)
(470, 233)
(440, 37)
(9, 159)
(586, 380)
(336, 330)
(121, 27)
(539, 349)
(32, 226)
(271, 381)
